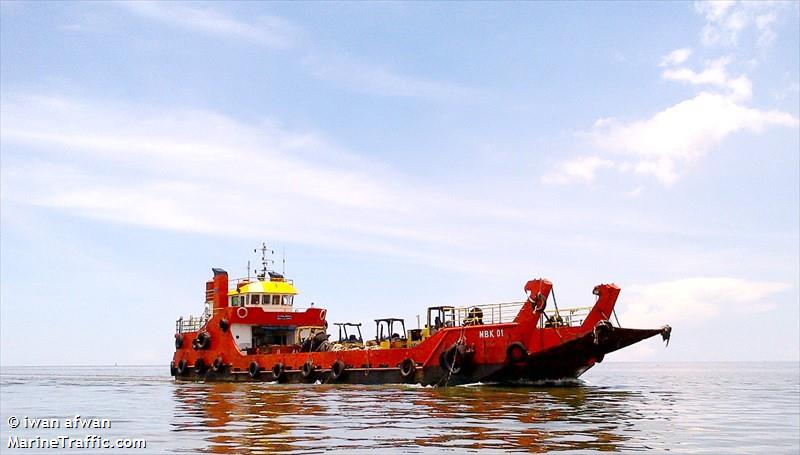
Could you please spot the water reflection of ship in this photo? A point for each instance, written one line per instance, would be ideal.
(251, 418)
(529, 418)
(243, 418)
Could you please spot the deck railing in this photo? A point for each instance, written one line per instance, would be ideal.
(499, 313)
(565, 317)
(490, 313)
(233, 282)
(190, 324)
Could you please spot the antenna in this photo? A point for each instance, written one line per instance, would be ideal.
(248, 270)
(283, 268)
(264, 260)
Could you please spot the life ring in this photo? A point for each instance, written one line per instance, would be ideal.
(178, 341)
(277, 371)
(241, 312)
(199, 366)
(307, 370)
(453, 359)
(253, 369)
(203, 341)
(224, 325)
(337, 370)
(407, 368)
(181, 368)
(322, 314)
(218, 365)
(516, 352)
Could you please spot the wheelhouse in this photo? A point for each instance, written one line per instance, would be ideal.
(274, 295)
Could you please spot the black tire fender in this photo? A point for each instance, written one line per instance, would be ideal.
(516, 352)
(181, 369)
(203, 341)
(254, 369)
(452, 359)
(200, 366)
(277, 371)
(307, 370)
(337, 369)
(602, 331)
(407, 368)
(218, 365)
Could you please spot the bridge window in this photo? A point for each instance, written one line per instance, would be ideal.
(254, 299)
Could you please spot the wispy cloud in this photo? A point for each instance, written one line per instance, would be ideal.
(279, 33)
(383, 80)
(714, 74)
(175, 169)
(581, 169)
(269, 31)
(726, 21)
(691, 301)
(676, 57)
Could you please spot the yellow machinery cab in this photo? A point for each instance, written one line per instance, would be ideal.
(391, 333)
(439, 317)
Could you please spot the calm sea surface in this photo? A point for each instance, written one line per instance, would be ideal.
(627, 407)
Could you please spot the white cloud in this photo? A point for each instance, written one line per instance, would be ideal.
(581, 169)
(198, 171)
(664, 144)
(693, 301)
(676, 57)
(683, 132)
(268, 31)
(726, 21)
(714, 74)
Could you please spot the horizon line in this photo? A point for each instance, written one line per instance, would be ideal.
(162, 365)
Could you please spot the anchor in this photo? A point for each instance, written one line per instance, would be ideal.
(666, 332)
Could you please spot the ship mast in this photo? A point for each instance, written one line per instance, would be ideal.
(264, 261)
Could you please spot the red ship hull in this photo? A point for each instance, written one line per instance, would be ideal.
(525, 349)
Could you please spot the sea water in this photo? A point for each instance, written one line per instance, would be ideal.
(623, 407)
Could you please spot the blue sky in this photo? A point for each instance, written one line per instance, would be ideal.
(404, 155)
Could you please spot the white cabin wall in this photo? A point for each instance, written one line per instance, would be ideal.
(242, 335)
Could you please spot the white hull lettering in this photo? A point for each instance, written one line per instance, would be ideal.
(491, 333)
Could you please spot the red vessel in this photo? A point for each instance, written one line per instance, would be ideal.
(251, 331)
